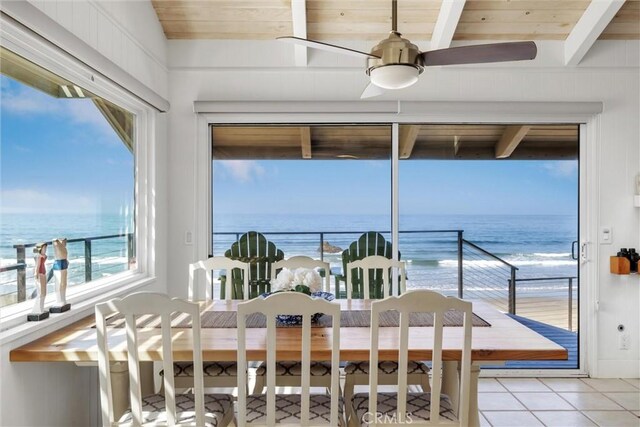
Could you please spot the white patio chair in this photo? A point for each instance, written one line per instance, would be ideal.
(288, 373)
(357, 373)
(419, 409)
(158, 409)
(216, 374)
(292, 409)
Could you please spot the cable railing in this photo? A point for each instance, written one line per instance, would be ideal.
(89, 258)
(550, 300)
(488, 277)
(436, 259)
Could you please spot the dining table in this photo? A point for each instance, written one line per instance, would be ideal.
(501, 338)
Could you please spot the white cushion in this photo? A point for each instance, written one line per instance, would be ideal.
(418, 406)
(288, 408)
(210, 369)
(216, 407)
(385, 367)
(317, 369)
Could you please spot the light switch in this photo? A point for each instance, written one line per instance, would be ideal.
(606, 235)
(188, 238)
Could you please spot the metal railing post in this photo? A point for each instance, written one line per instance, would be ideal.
(321, 246)
(87, 260)
(512, 292)
(460, 269)
(570, 303)
(21, 282)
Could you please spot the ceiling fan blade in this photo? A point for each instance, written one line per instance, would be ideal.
(371, 90)
(325, 46)
(479, 54)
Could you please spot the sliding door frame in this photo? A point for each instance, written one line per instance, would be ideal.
(586, 114)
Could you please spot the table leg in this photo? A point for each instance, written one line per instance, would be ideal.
(451, 381)
(474, 412)
(451, 386)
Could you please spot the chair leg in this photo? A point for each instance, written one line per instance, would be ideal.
(426, 387)
(258, 388)
(349, 385)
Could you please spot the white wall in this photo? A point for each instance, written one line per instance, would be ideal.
(126, 32)
(247, 71)
(62, 394)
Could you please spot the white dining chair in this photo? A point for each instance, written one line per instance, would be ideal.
(218, 263)
(304, 262)
(216, 373)
(377, 262)
(417, 408)
(358, 372)
(288, 373)
(195, 409)
(291, 409)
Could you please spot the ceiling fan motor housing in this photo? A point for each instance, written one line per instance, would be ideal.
(395, 50)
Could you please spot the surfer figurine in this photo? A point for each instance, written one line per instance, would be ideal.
(60, 266)
(40, 277)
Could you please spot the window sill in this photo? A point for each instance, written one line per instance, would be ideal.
(14, 326)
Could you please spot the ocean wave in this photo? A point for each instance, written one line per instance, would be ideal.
(552, 255)
(496, 264)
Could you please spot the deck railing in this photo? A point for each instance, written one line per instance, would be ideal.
(479, 274)
(542, 299)
(20, 267)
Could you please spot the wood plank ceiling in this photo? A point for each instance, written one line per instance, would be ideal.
(371, 19)
(417, 141)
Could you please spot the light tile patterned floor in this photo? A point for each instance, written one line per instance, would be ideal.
(559, 402)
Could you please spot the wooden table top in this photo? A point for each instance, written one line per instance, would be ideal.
(505, 339)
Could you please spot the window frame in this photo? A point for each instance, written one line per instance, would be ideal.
(41, 52)
(586, 114)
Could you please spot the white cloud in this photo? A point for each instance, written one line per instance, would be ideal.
(561, 168)
(23, 100)
(29, 200)
(243, 170)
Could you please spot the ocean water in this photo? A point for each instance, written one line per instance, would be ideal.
(109, 256)
(539, 245)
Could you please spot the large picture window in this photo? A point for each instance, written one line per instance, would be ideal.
(67, 172)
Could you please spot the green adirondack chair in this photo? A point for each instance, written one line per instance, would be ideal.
(254, 248)
(370, 243)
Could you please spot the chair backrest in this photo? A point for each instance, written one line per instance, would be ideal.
(303, 262)
(132, 306)
(218, 263)
(253, 248)
(368, 244)
(297, 304)
(423, 301)
(381, 266)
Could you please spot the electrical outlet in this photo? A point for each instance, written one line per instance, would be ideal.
(623, 341)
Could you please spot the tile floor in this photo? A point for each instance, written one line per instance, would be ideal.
(559, 402)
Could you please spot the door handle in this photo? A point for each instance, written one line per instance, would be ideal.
(574, 244)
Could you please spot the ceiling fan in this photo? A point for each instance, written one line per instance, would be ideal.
(396, 63)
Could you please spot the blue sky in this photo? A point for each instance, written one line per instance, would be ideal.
(59, 155)
(426, 187)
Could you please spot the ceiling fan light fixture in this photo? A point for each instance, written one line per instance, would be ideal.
(394, 76)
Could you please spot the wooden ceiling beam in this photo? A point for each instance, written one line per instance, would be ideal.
(509, 141)
(299, 20)
(448, 18)
(407, 139)
(305, 142)
(594, 20)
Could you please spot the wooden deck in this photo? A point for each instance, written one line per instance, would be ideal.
(566, 339)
